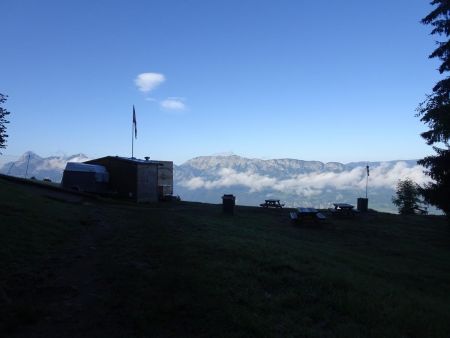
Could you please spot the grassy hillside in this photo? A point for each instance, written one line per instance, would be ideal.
(73, 266)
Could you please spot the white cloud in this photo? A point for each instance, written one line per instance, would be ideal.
(146, 82)
(311, 184)
(173, 103)
(58, 163)
(229, 177)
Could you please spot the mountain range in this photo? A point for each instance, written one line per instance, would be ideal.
(294, 182)
(32, 165)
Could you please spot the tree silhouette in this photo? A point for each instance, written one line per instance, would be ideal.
(3, 121)
(406, 197)
(435, 112)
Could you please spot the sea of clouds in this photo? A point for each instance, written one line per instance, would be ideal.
(385, 175)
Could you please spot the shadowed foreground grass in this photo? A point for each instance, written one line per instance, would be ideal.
(93, 268)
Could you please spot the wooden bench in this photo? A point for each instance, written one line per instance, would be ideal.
(343, 213)
(306, 214)
(421, 211)
(293, 216)
(320, 216)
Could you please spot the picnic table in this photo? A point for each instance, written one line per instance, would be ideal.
(421, 211)
(271, 203)
(343, 209)
(307, 214)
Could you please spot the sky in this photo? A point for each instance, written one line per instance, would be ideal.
(312, 80)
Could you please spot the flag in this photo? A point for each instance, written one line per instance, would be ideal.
(134, 123)
(367, 167)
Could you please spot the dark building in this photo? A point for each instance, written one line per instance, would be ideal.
(140, 180)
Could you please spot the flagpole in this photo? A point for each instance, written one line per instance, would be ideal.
(133, 131)
(367, 178)
(132, 139)
(367, 182)
(28, 162)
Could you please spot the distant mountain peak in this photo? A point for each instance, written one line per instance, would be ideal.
(30, 164)
(233, 161)
(29, 154)
(79, 157)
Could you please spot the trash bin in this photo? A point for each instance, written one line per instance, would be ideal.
(228, 203)
(362, 204)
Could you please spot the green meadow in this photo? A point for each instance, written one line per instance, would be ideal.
(78, 266)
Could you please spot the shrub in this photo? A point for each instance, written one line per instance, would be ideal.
(407, 196)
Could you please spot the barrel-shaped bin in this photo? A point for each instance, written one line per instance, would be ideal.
(228, 202)
(362, 204)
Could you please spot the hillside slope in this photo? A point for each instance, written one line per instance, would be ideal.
(73, 266)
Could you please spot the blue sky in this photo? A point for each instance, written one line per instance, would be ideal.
(313, 80)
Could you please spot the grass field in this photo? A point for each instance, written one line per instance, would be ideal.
(73, 266)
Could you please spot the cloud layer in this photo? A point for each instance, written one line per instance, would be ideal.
(146, 82)
(311, 184)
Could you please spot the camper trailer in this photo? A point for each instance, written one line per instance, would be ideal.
(85, 177)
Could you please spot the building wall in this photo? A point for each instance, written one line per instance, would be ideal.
(147, 183)
(129, 179)
(122, 176)
(165, 178)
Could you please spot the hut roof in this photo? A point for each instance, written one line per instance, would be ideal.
(128, 159)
